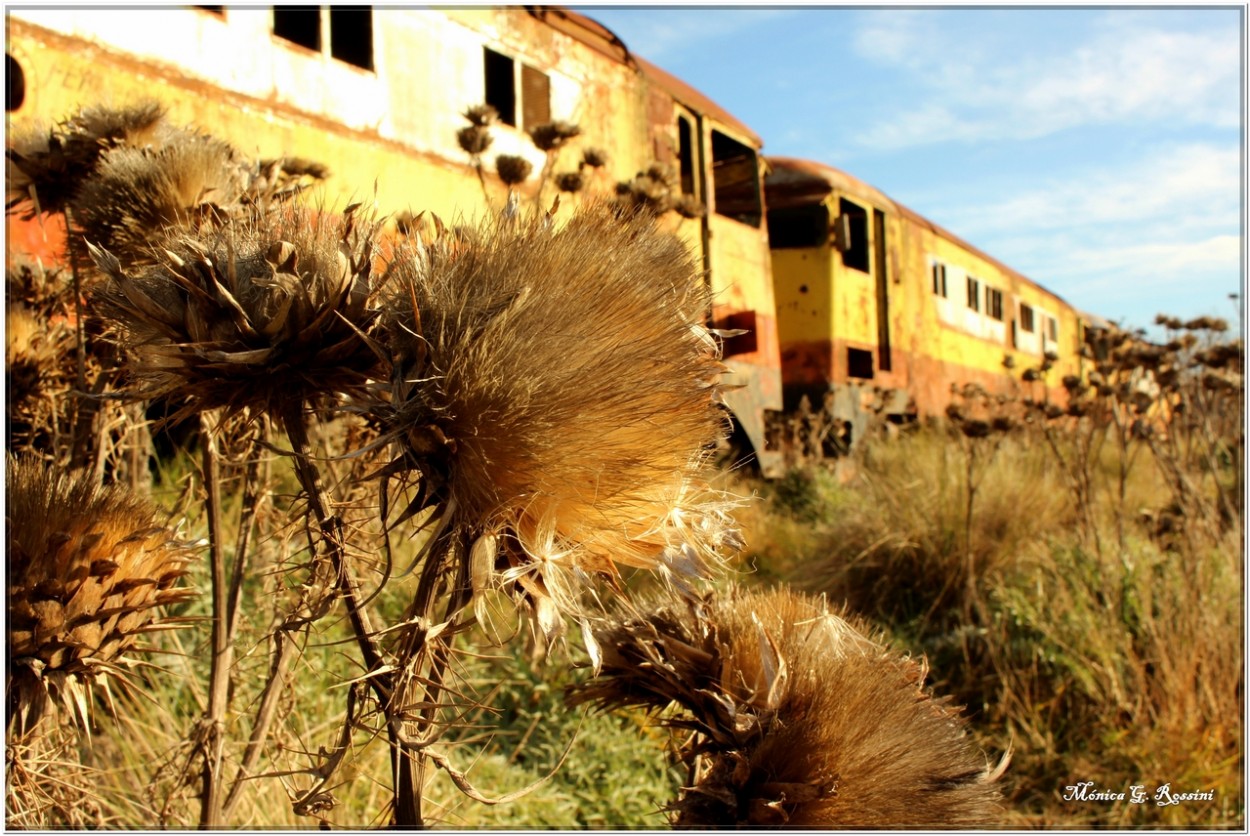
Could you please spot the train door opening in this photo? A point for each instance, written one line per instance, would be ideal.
(883, 291)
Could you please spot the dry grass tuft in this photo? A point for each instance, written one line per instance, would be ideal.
(798, 718)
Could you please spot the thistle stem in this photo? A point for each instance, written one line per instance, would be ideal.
(213, 738)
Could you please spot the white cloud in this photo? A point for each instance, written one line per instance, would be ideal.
(1177, 188)
(977, 83)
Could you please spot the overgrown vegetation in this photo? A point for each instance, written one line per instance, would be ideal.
(1073, 574)
(404, 499)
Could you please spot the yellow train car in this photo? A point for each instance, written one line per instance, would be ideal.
(882, 312)
(377, 96)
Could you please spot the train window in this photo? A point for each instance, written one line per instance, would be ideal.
(1026, 318)
(994, 302)
(503, 92)
(501, 86)
(351, 35)
(974, 293)
(855, 252)
(735, 180)
(859, 363)
(798, 227)
(535, 97)
(685, 153)
(299, 25)
(939, 279)
(15, 86)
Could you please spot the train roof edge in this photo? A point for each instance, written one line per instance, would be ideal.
(600, 38)
(795, 182)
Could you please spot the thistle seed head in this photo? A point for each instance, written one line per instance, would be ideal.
(252, 315)
(87, 566)
(474, 139)
(482, 115)
(45, 169)
(800, 719)
(551, 136)
(137, 194)
(513, 169)
(560, 379)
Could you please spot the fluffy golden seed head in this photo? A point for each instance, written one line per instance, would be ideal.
(561, 380)
(801, 719)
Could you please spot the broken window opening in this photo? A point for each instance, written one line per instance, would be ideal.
(298, 24)
(859, 363)
(685, 154)
(15, 84)
(735, 180)
(501, 86)
(855, 254)
(939, 279)
(351, 35)
(798, 227)
(994, 303)
(1026, 318)
(974, 294)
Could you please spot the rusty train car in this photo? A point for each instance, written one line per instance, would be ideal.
(837, 296)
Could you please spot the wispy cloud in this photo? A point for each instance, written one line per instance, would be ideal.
(1182, 186)
(989, 84)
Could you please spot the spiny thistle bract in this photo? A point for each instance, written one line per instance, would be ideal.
(561, 383)
(800, 720)
(259, 314)
(87, 566)
(47, 168)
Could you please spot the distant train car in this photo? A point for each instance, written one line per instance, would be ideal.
(881, 312)
(377, 96)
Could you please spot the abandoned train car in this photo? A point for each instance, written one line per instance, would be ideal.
(880, 311)
(875, 310)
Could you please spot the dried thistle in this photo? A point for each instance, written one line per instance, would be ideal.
(47, 168)
(559, 385)
(513, 169)
(474, 140)
(570, 181)
(482, 115)
(138, 193)
(594, 157)
(87, 566)
(255, 314)
(798, 718)
(688, 206)
(551, 136)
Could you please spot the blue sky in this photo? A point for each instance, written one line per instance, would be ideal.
(1097, 151)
